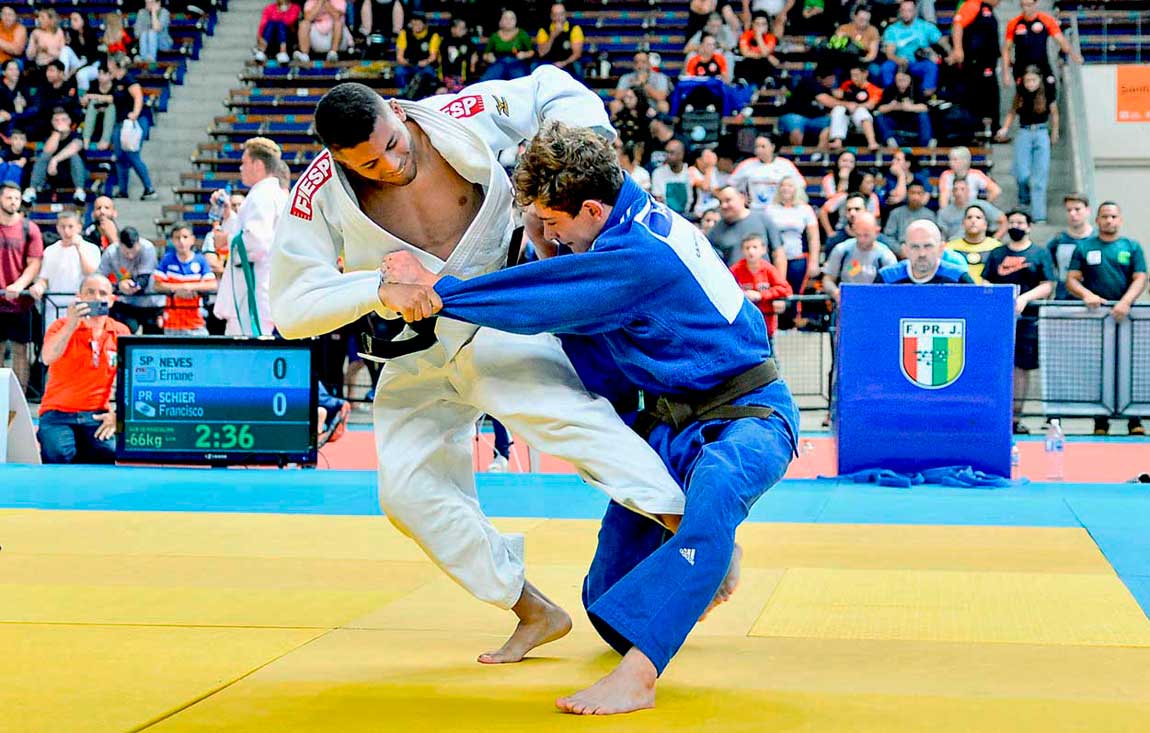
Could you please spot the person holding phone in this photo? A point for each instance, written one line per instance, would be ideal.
(128, 265)
(77, 412)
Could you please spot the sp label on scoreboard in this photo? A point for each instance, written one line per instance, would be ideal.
(933, 351)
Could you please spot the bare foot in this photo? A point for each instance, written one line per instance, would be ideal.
(540, 621)
(729, 584)
(629, 687)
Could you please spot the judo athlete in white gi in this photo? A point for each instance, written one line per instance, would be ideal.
(256, 223)
(648, 306)
(423, 177)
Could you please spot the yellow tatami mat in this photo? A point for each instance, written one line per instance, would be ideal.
(254, 623)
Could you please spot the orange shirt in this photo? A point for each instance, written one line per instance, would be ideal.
(8, 35)
(767, 41)
(716, 66)
(75, 384)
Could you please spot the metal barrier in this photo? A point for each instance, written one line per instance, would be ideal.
(1092, 365)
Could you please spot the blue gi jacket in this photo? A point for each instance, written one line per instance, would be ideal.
(650, 294)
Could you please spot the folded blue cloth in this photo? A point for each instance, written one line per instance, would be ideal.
(958, 476)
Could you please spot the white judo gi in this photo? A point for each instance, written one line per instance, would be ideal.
(427, 403)
(257, 219)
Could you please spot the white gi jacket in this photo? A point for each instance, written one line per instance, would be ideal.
(427, 402)
(257, 219)
(310, 296)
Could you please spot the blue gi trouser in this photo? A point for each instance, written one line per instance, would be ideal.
(647, 588)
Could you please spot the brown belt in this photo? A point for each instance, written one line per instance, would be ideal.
(714, 404)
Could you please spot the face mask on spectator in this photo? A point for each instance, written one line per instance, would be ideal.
(1016, 234)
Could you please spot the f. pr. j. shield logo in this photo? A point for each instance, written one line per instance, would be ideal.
(933, 350)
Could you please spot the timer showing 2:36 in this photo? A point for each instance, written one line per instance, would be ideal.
(225, 436)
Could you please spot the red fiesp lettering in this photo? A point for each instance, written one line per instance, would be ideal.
(317, 174)
(463, 107)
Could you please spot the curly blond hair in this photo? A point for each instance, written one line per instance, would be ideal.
(564, 166)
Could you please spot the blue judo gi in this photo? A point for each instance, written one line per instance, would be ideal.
(651, 307)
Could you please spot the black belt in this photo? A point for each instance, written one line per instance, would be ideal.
(381, 349)
(714, 404)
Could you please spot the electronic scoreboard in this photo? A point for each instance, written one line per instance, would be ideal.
(218, 401)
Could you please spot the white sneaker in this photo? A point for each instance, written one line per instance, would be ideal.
(891, 142)
(29, 196)
(498, 464)
(259, 56)
(301, 57)
(333, 55)
(282, 57)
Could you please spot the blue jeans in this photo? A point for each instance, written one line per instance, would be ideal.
(506, 69)
(406, 72)
(1032, 168)
(647, 589)
(791, 122)
(886, 126)
(502, 438)
(70, 437)
(151, 43)
(923, 71)
(126, 160)
(75, 164)
(330, 403)
(276, 35)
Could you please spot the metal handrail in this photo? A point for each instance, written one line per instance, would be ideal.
(1081, 154)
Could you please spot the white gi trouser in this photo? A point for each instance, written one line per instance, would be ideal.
(840, 121)
(427, 403)
(424, 426)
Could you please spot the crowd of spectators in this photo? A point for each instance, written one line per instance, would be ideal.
(886, 78)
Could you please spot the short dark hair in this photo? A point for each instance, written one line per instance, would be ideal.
(564, 166)
(915, 183)
(1109, 203)
(1076, 196)
(857, 195)
(58, 65)
(129, 237)
(180, 225)
(755, 236)
(9, 184)
(1012, 212)
(346, 115)
(60, 111)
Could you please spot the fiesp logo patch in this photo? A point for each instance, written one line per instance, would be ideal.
(463, 107)
(317, 174)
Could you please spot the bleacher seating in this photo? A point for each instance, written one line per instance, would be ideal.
(1116, 35)
(188, 31)
(278, 100)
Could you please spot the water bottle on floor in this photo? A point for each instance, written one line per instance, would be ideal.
(1015, 462)
(1055, 450)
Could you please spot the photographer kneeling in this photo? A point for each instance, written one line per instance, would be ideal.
(77, 417)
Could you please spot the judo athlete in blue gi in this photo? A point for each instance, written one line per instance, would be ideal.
(645, 294)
